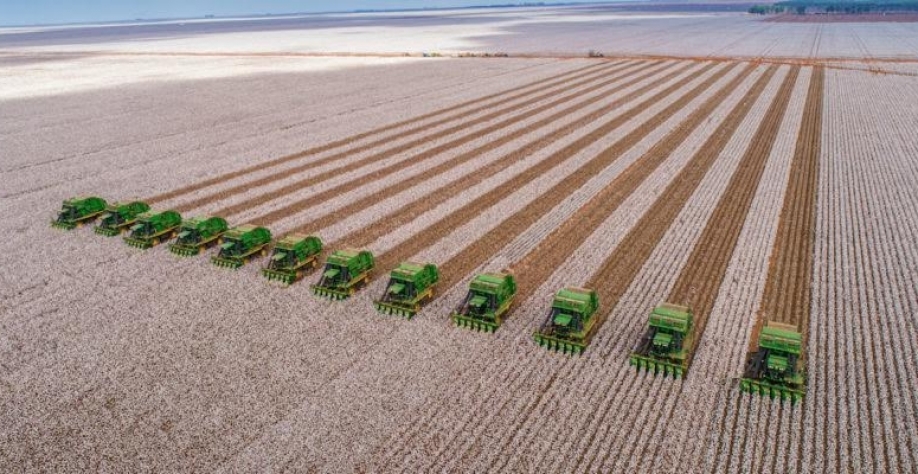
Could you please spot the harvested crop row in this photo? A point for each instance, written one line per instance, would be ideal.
(607, 421)
(437, 419)
(701, 278)
(423, 166)
(457, 267)
(519, 92)
(389, 222)
(427, 134)
(718, 95)
(542, 261)
(712, 147)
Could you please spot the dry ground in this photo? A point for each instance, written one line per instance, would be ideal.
(738, 186)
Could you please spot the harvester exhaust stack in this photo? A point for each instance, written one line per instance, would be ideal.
(411, 285)
(775, 369)
(487, 303)
(570, 324)
(346, 271)
(198, 234)
(120, 217)
(152, 229)
(666, 346)
(293, 256)
(241, 244)
(78, 211)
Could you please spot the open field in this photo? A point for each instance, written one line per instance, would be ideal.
(782, 186)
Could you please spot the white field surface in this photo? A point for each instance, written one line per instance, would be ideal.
(115, 359)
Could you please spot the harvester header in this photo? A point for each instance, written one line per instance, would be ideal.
(570, 324)
(241, 244)
(119, 217)
(346, 271)
(293, 256)
(487, 302)
(152, 229)
(776, 369)
(78, 211)
(198, 234)
(666, 346)
(411, 285)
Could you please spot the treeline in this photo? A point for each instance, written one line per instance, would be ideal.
(835, 6)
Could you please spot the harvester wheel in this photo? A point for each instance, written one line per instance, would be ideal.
(155, 241)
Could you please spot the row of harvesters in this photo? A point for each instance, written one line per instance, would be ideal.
(774, 365)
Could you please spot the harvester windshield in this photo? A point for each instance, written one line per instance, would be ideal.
(143, 229)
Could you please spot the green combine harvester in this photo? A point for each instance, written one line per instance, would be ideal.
(120, 217)
(241, 244)
(666, 346)
(293, 256)
(487, 303)
(776, 368)
(570, 325)
(78, 211)
(198, 234)
(346, 271)
(152, 229)
(411, 285)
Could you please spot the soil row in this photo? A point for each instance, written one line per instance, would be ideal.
(788, 288)
(398, 176)
(405, 214)
(517, 92)
(398, 151)
(489, 244)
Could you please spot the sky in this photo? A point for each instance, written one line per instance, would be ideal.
(30, 12)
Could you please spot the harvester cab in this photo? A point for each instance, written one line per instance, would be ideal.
(666, 345)
(293, 256)
(775, 369)
(152, 229)
(346, 271)
(411, 285)
(198, 234)
(570, 324)
(241, 244)
(487, 302)
(120, 217)
(78, 211)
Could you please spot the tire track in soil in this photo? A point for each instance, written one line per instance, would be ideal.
(543, 83)
(483, 248)
(388, 223)
(702, 276)
(395, 168)
(475, 254)
(676, 194)
(541, 262)
(475, 207)
(402, 216)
